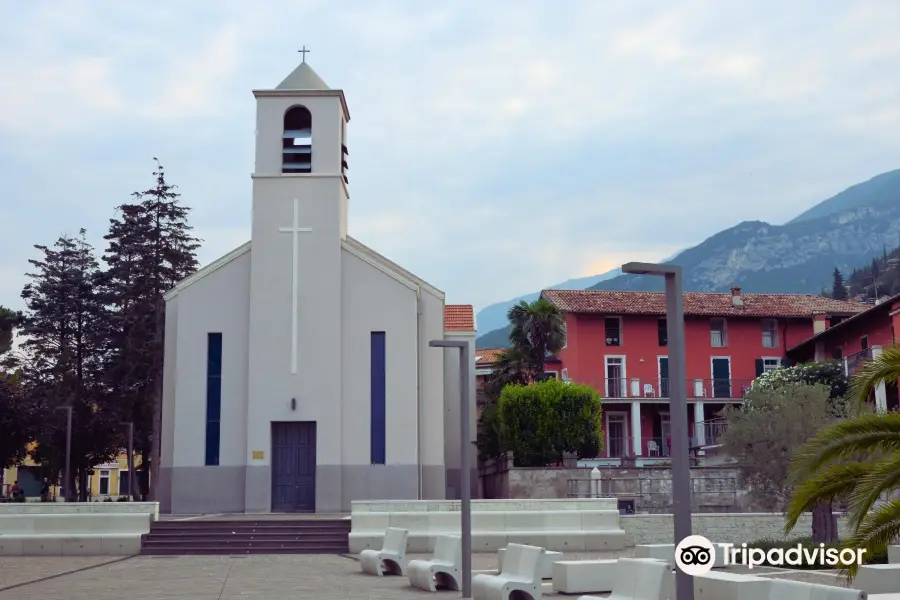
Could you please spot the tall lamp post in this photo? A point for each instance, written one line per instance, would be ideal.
(67, 493)
(681, 472)
(465, 466)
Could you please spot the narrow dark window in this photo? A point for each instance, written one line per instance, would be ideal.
(378, 398)
(662, 332)
(613, 331)
(296, 151)
(213, 397)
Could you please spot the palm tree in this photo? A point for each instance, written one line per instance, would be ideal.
(511, 366)
(856, 460)
(538, 328)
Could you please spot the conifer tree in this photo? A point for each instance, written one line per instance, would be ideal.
(61, 362)
(838, 290)
(150, 250)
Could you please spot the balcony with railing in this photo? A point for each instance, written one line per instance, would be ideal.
(636, 388)
(854, 362)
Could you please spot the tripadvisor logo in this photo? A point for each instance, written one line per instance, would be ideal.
(696, 555)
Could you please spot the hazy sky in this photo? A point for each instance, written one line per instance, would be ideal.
(495, 147)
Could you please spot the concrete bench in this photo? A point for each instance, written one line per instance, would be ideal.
(878, 579)
(717, 585)
(893, 555)
(783, 589)
(640, 579)
(546, 566)
(559, 530)
(391, 559)
(520, 576)
(666, 552)
(443, 570)
(584, 576)
(76, 534)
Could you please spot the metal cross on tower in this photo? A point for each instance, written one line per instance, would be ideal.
(303, 52)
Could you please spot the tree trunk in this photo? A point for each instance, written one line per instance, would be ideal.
(824, 524)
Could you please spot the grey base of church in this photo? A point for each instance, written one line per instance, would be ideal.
(223, 489)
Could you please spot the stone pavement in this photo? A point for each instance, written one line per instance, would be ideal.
(260, 577)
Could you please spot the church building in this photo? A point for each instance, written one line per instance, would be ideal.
(298, 375)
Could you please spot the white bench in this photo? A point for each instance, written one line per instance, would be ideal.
(391, 559)
(75, 534)
(783, 589)
(546, 566)
(666, 552)
(878, 579)
(893, 554)
(520, 575)
(717, 585)
(584, 576)
(640, 579)
(557, 530)
(442, 570)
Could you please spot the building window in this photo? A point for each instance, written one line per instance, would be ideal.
(769, 333)
(296, 151)
(213, 397)
(837, 354)
(717, 337)
(378, 421)
(613, 331)
(662, 332)
(124, 483)
(864, 342)
(565, 374)
(104, 482)
(550, 375)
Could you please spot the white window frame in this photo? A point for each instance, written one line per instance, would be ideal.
(564, 374)
(621, 332)
(776, 359)
(554, 373)
(774, 329)
(623, 393)
(724, 335)
(104, 474)
(626, 429)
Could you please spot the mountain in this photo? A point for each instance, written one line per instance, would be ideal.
(494, 316)
(844, 231)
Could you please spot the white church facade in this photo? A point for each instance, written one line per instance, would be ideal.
(298, 375)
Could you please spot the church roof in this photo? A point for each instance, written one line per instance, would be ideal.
(303, 78)
(459, 317)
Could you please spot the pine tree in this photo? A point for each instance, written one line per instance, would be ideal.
(62, 357)
(838, 290)
(150, 250)
(9, 319)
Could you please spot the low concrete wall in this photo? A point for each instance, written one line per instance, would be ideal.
(516, 504)
(718, 528)
(64, 508)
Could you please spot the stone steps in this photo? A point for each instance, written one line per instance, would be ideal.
(241, 536)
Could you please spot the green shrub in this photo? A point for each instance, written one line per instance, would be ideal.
(540, 422)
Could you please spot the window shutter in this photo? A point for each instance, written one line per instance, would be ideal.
(759, 367)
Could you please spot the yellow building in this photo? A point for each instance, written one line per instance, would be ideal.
(109, 480)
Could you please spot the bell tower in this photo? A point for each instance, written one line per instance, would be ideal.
(300, 196)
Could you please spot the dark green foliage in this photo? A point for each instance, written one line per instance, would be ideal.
(878, 279)
(829, 373)
(542, 421)
(537, 329)
(18, 420)
(62, 359)
(150, 249)
(9, 320)
(489, 434)
(838, 288)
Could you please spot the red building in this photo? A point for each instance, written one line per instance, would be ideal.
(855, 340)
(617, 343)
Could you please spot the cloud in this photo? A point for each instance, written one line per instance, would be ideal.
(509, 142)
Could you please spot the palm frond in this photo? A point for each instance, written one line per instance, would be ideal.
(882, 477)
(835, 481)
(877, 433)
(880, 528)
(884, 369)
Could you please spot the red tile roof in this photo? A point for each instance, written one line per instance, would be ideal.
(487, 356)
(459, 317)
(699, 303)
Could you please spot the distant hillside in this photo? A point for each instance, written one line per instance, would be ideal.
(878, 279)
(845, 231)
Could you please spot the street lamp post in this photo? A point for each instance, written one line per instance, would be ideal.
(67, 493)
(465, 462)
(130, 460)
(681, 472)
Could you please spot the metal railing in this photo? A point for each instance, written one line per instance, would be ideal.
(661, 446)
(713, 430)
(644, 388)
(653, 494)
(853, 362)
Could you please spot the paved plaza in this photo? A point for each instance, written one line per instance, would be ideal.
(287, 577)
